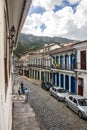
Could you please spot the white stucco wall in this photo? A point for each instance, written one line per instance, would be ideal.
(8, 108)
(84, 77)
(5, 104)
(85, 86)
(78, 59)
(2, 85)
(82, 46)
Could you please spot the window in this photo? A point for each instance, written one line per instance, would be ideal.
(71, 98)
(74, 100)
(83, 59)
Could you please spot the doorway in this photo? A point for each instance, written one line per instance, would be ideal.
(80, 86)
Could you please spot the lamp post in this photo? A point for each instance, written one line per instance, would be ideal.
(12, 32)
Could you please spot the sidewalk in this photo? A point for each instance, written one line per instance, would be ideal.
(35, 81)
(23, 115)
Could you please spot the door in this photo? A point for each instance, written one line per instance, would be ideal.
(83, 59)
(73, 85)
(62, 80)
(75, 105)
(80, 86)
(66, 82)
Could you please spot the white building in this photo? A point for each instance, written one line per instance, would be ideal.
(12, 16)
(81, 69)
(48, 47)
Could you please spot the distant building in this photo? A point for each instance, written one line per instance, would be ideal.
(48, 47)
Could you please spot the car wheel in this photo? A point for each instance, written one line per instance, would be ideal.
(80, 114)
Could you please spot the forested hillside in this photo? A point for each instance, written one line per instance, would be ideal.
(29, 42)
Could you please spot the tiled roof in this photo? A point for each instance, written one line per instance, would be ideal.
(62, 49)
(80, 42)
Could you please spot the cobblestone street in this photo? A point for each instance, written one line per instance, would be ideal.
(50, 113)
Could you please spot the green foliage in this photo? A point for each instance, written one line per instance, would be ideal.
(20, 49)
(29, 43)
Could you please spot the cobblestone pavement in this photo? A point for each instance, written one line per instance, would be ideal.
(23, 115)
(52, 114)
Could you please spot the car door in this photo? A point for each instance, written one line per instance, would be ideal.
(70, 101)
(75, 105)
(53, 91)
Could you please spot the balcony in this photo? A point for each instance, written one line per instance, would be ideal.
(40, 66)
(33, 65)
(69, 67)
(46, 67)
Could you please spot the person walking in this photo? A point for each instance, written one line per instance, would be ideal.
(22, 88)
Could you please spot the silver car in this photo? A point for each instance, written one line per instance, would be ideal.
(59, 93)
(78, 104)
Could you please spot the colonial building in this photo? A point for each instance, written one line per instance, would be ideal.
(81, 67)
(63, 65)
(38, 63)
(12, 16)
(56, 66)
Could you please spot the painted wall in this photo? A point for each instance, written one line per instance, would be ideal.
(84, 77)
(5, 100)
(2, 85)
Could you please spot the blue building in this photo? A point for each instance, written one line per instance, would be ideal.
(63, 74)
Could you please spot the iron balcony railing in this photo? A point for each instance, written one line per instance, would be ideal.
(52, 66)
(33, 65)
(64, 66)
(39, 66)
(78, 65)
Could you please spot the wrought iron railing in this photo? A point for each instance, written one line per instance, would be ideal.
(64, 66)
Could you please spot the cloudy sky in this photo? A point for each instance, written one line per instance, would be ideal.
(64, 18)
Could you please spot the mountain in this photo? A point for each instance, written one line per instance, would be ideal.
(30, 39)
(29, 42)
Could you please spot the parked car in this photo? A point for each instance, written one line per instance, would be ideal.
(59, 93)
(78, 104)
(46, 85)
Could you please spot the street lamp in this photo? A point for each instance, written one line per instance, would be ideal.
(11, 32)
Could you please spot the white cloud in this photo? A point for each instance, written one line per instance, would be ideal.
(80, 17)
(64, 23)
(47, 4)
(32, 25)
(73, 1)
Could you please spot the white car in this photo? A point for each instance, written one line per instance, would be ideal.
(78, 104)
(59, 93)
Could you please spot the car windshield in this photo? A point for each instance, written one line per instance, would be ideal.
(82, 102)
(61, 91)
